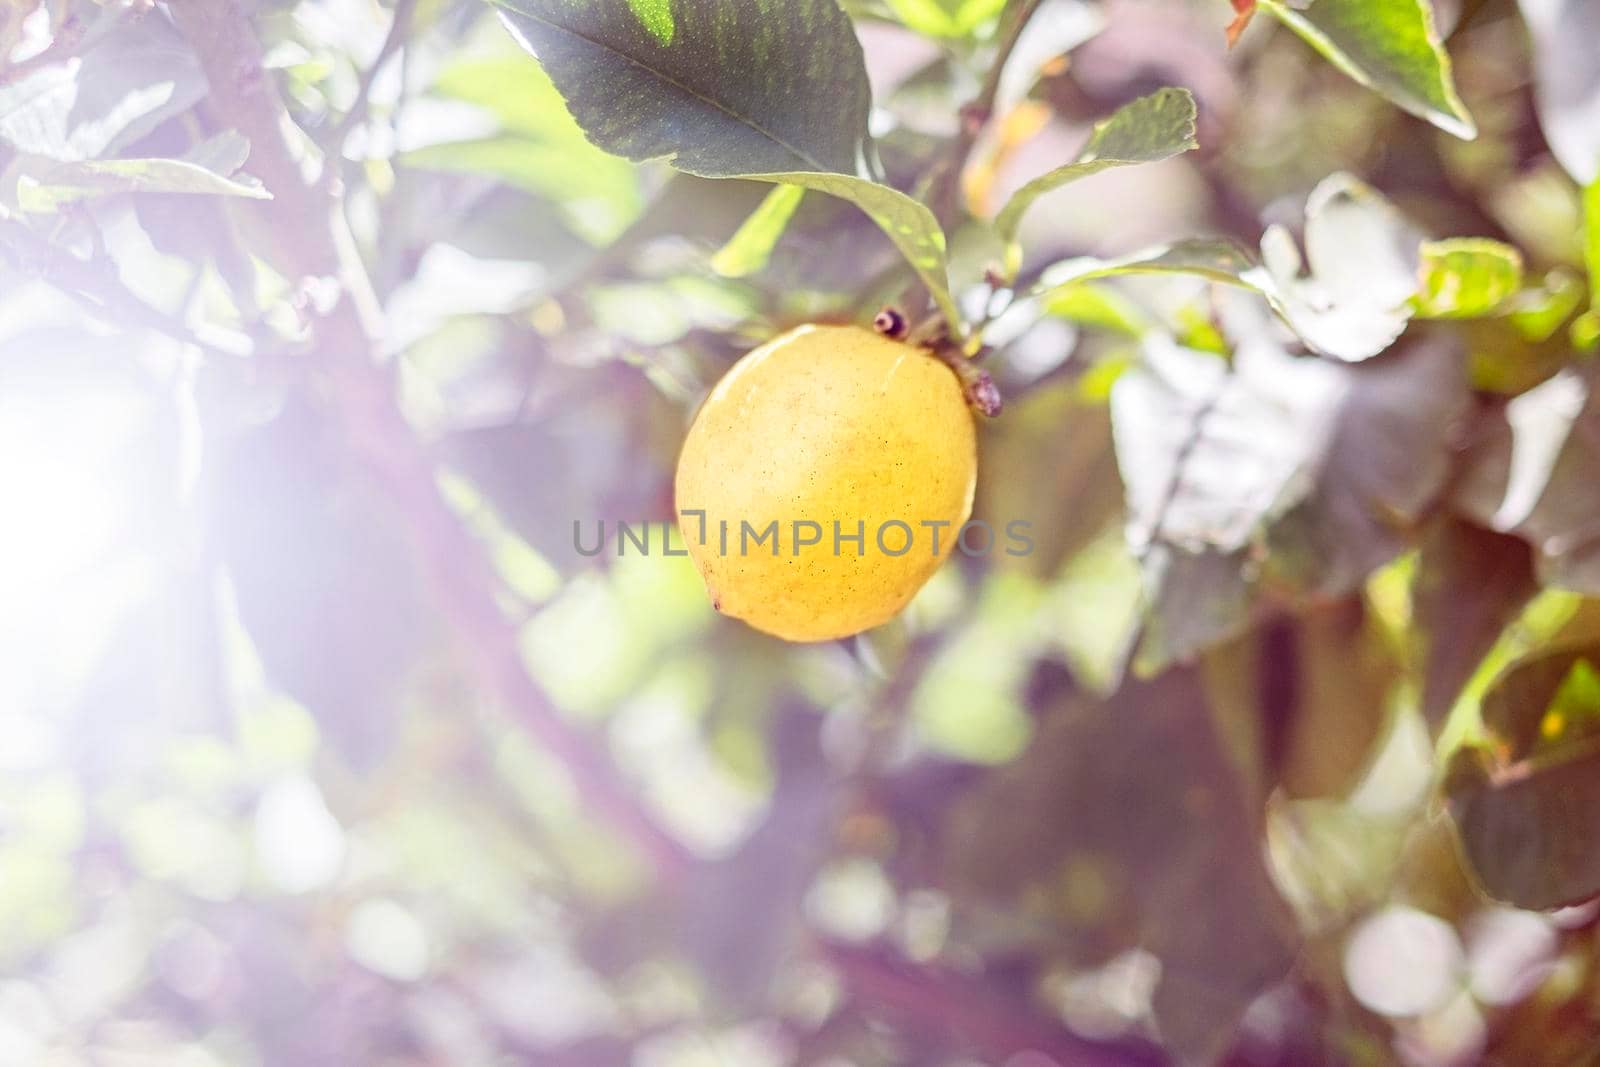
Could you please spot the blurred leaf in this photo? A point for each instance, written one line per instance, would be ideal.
(130, 75)
(1390, 46)
(539, 148)
(1313, 466)
(728, 94)
(748, 250)
(1469, 584)
(946, 18)
(1531, 472)
(1465, 277)
(1150, 129)
(65, 183)
(1539, 312)
(613, 441)
(1097, 873)
(1309, 695)
(324, 578)
(1526, 813)
(1567, 81)
(1097, 306)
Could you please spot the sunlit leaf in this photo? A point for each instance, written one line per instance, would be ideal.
(1466, 277)
(64, 183)
(1150, 129)
(1097, 306)
(748, 250)
(1390, 46)
(946, 18)
(1591, 239)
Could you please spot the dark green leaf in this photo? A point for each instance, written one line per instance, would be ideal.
(725, 88)
(722, 89)
(1390, 46)
(1465, 277)
(1526, 811)
(1150, 129)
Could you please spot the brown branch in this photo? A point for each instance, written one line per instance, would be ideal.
(311, 241)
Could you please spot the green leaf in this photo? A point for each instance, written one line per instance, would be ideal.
(1390, 46)
(730, 92)
(1150, 129)
(1526, 807)
(731, 96)
(1466, 277)
(539, 148)
(748, 250)
(1538, 311)
(63, 183)
(946, 18)
(1098, 306)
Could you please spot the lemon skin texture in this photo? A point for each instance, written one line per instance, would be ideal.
(826, 424)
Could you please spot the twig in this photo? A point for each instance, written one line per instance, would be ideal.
(969, 1011)
(311, 241)
(941, 188)
(399, 29)
(944, 183)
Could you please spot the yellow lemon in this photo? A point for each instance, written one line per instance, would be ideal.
(824, 480)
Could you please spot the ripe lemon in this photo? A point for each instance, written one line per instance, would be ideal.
(821, 435)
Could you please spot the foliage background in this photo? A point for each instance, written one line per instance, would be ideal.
(322, 321)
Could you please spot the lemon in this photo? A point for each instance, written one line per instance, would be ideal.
(824, 480)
